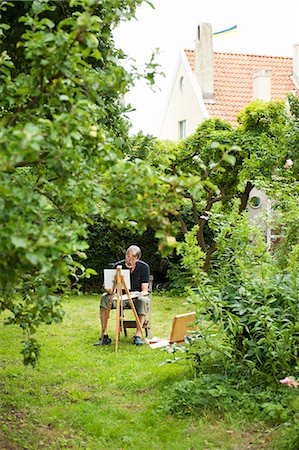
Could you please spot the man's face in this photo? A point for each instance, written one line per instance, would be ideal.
(131, 260)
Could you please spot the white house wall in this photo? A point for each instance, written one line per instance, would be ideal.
(183, 104)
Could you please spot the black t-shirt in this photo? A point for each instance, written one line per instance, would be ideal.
(139, 275)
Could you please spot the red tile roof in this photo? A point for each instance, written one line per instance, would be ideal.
(233, 81)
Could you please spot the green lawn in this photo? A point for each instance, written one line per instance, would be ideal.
(85, 397)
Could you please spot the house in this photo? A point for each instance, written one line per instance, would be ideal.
(210, 84)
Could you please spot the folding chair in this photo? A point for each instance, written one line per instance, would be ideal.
(147, 322)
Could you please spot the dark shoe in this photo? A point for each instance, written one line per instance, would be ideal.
(137, 340)
(106, 341)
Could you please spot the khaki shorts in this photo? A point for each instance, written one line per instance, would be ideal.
(141, 304)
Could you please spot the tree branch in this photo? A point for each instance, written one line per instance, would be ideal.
(30, 163)
(195, 211)
(22, 108)
(182, 223)
(207, 264)
(245, 196)
(48, 196)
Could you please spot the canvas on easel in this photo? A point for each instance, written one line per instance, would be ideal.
(109, 277)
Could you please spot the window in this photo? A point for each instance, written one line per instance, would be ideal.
(255, 202)
(181, 84)
(182, 129)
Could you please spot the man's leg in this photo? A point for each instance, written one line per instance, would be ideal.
(105, 299)
(104, 338)
(141, 305)
(104, 320)
(141, 320)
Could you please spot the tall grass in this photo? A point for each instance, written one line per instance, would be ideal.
(85, 397)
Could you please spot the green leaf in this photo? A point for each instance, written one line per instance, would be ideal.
(229, 159)
(19, 242)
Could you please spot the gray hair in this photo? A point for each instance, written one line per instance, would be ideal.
(135, 250)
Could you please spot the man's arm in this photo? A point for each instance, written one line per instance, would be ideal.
(144, 289)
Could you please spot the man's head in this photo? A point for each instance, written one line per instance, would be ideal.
(133, 254)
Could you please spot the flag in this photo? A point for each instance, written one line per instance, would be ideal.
(228, 30)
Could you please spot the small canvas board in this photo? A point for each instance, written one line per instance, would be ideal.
(181, 325)
(109, 275)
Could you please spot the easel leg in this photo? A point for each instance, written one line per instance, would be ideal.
(117, 329)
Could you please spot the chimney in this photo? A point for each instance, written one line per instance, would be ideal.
(204, 60)
(262, 85)
(296, 63)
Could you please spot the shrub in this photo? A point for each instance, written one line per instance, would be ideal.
(253, 301)
(234, 393)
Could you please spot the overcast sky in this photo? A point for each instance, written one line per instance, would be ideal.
(264, 27)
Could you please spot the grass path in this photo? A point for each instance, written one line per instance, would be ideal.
(85, 397)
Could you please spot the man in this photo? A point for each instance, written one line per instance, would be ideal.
(139, 277)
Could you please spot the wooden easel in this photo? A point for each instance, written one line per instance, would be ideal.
(118, 286)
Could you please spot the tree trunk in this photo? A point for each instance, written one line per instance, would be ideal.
(245, 196)
(207, 264)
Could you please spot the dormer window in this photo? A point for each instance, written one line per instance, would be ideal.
(182, 129)
(181, 84)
